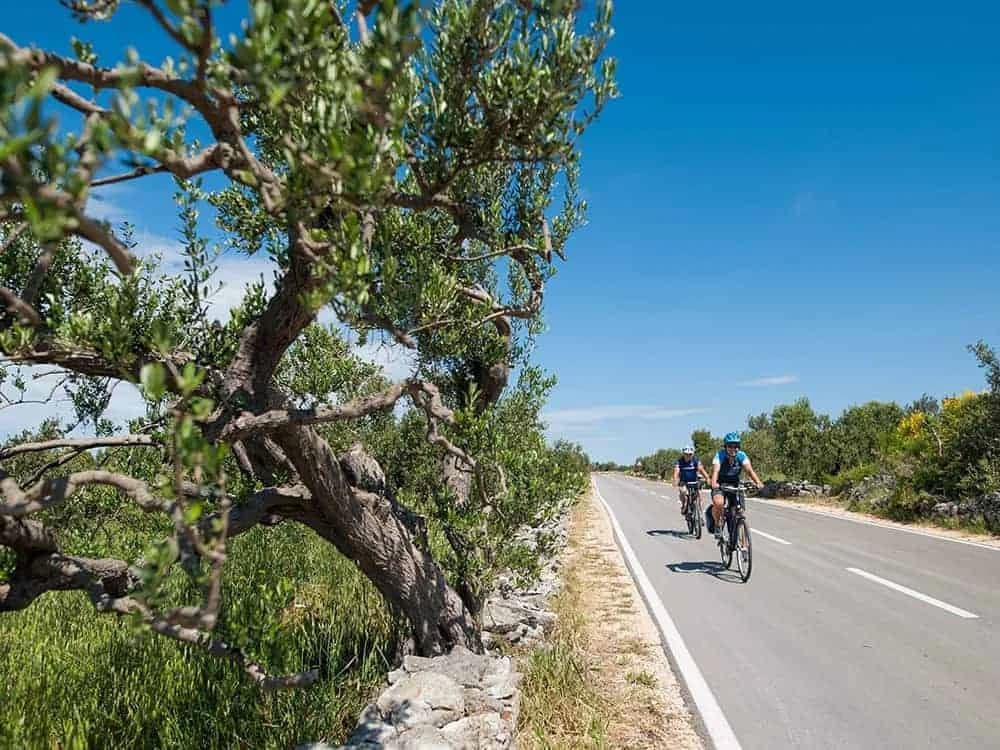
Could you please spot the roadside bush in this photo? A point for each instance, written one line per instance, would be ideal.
(840, 483)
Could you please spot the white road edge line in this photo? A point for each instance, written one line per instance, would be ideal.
(715, 721)
(772, 537)
(891, 527)
(915, 594)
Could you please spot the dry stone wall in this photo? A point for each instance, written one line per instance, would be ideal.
(463, 700)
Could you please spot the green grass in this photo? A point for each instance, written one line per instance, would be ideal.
(641, 678)
(560, 705)
(74, 679)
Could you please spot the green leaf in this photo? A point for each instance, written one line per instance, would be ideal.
(154, 380)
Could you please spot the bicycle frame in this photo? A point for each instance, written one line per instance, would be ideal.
(741, 502)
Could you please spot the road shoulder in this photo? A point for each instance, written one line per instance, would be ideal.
(629, 681)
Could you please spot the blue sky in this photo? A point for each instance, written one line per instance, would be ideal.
(789, 199)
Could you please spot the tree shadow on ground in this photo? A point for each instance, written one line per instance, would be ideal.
(669, 532)
(713, 568)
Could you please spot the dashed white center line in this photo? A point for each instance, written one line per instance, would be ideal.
(915, 594)
(772, 537)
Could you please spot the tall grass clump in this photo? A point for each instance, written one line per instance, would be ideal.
(561, 704)
(71, 679)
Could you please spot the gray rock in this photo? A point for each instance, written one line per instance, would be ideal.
(422, 698)
(506, 615)
(461, 665)
(945, 509)
(423, 738)
(478, 702)
(372, 730)
(480, 732)
(396, 675)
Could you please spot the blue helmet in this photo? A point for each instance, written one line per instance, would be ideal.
(731, 437)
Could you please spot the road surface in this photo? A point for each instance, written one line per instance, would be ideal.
(848, 635)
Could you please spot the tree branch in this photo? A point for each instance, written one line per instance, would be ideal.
(78, 443)
(16, 306)
(51, 492)
(276, 418)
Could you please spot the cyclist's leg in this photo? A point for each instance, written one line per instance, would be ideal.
(717, 509)
(682, 496)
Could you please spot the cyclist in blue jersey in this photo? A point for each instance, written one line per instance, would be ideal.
(687, 469)
(726, 468)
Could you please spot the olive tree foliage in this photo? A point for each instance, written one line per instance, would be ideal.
(413, 167)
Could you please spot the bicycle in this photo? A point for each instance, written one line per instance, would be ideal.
(692, 510)
(735, 537)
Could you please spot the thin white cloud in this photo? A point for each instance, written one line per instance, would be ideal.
(42, 400)
(102, 209)
(590, 415)
(235, 273)
(770, 380)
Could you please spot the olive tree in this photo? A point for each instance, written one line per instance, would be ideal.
(411, 167)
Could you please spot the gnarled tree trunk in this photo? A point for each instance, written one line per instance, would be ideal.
(363, 526)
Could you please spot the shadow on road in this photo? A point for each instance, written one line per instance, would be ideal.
(713, 568)
(669, 532)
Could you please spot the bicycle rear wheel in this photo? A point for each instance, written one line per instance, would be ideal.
(744, 552)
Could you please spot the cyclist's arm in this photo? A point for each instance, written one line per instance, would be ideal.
(677, 475)
(714, 482)
(749, 467)
(704, 473)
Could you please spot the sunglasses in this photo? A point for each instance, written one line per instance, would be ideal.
(734, 446)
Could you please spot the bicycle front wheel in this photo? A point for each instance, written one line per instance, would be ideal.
(726, 544)
(697, 519)
(744, 552)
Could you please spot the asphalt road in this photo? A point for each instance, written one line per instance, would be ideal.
(847, 635)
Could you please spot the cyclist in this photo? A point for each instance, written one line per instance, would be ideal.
(687, 469)
(726, 468)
